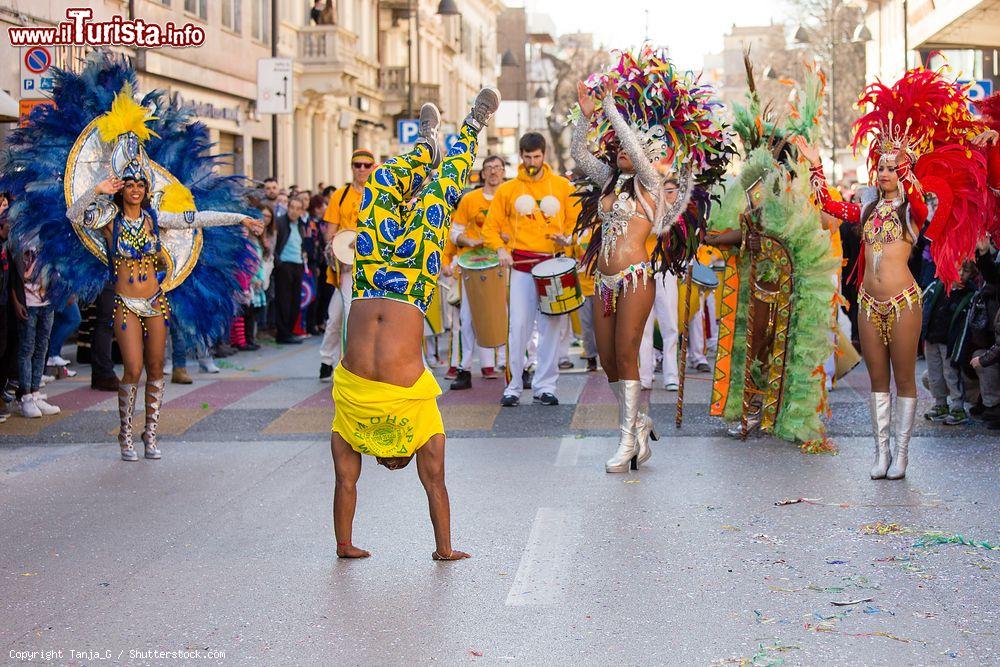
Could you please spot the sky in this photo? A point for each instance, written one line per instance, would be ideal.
(690, 28)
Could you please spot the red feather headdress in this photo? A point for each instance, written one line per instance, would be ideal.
(919, 112)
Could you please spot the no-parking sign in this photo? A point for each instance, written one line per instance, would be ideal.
(36, 73)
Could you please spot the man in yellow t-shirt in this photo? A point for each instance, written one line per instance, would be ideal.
(467, 233)
(539, 212)
(341, 214)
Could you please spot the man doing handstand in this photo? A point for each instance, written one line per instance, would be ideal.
(385, 399)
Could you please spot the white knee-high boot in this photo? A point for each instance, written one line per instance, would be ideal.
(629, 392)
(906, 413)
(880, 403)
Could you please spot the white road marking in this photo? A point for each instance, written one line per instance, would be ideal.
(543, 572)
(569, 451)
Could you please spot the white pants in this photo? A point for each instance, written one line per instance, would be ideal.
(698, 346)
(665, 312)
(331, 350)
(523, 317)
(463, 340)
(565, 338)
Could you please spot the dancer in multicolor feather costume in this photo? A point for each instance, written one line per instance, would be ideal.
(108, 188)
(651, 126)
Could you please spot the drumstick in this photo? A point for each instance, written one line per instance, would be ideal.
(684, 345)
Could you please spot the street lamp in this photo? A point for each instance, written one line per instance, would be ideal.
(448, 8)
(509, 59)
(445, 8)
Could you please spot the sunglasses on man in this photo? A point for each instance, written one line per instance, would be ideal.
(362, 165)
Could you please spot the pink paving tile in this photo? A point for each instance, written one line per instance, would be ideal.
(597, 391)
(483, 392)
(321, 399)
(81, 398)
(217, 394)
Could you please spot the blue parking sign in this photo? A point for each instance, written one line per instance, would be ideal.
(979, 89)
(407, 130)
(449, 141)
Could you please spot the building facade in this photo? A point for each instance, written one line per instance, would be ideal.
(351, 76)
(964, 34)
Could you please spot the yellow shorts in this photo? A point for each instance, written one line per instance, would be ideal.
(381, 419)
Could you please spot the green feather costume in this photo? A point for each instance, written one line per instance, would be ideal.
(787, 215)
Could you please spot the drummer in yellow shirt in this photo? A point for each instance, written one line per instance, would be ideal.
(341, 214)
(539, 211)
(467, 233)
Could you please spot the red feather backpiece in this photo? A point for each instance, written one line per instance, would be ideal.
(957, 176)
(990, 110)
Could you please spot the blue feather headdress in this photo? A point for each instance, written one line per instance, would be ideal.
(32, 167)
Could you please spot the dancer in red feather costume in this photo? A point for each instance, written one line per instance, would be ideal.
(925, 146)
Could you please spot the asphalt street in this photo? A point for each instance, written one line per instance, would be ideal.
(717, 552)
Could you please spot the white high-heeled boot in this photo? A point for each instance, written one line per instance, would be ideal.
(880, 403)
(628, 412)
(906, 413)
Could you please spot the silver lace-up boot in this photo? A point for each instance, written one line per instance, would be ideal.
(154, 398)
(126, 406)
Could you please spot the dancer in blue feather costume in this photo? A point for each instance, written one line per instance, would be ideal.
(110, 188)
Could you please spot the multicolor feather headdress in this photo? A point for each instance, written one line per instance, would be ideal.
(677, 119)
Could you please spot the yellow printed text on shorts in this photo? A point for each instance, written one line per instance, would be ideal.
(385, 420)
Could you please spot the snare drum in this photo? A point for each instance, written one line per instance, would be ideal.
(484, 285)
(343, 246)
(558, 286)
(705, 280)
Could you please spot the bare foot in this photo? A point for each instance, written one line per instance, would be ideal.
(454, 555)
(351, 551)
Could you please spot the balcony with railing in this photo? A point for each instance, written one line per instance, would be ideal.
(395, 85)
(330, 50)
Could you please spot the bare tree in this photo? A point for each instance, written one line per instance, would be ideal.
(570, 66)
(827, 30)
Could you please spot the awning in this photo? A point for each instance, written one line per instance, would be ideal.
(957, 24)
(8, 108)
